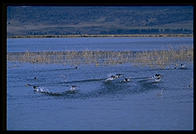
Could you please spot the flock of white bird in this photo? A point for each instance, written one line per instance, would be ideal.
(111, 78)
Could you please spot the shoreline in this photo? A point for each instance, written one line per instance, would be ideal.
(101, 35)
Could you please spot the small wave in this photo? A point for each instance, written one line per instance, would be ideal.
(142, 78)
(46, 91)
(78, 81)
(148, 84)
(60, 69)
(172, 68)
(107, 88)
(59, 93)
(70, 82)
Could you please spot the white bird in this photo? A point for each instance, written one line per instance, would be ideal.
(157, 77)
(73, 88)
(182, 66)
(35, 88)
(39, 89)
(126, 80)
(113, 77)
(118, 75)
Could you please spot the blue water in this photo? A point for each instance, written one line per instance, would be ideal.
(114, 44)
(98, 105)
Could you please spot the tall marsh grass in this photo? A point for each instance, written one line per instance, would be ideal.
(154, 58)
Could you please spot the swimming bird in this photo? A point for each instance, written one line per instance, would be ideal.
(175, 67)
(182, 66)
(40, 89)
(126, 80)
(112, 77)
(157, 77)
(118, 75)
(35, 88)
(73, 88)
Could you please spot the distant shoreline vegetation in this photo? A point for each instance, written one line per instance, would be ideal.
(101, 35)
(154, 58)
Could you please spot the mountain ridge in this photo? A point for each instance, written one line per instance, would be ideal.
(64, 20)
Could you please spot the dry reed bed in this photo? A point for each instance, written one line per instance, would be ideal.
(155, 58)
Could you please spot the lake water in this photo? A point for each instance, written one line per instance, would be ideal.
(140, 104)
(114, 44)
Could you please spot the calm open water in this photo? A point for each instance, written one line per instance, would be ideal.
(114, 44)
(98, 105)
